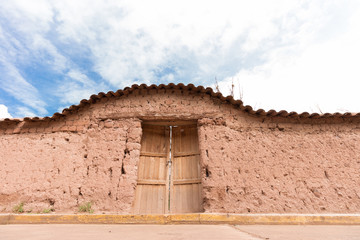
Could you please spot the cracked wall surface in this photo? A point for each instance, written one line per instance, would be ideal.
(250, 164)
(63, 170)
(280, 171)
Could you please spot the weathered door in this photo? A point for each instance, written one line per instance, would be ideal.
(168, 171)
(185, 182)
(152, 185)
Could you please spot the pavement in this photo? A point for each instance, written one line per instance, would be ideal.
(177, 232)
(302, 232)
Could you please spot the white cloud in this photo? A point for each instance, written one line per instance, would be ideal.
(133, 40)
(46, 52)
(25, 111)
(71, 93)
(323, 77)
(80, 77)
(13, 83)
(77, 86)
(4, 112)
(314, 73)
(25, 40)
(28, 16)
(289, 55)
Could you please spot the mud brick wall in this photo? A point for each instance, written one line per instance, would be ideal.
(58, 166)
(250, 164)
(289, 168)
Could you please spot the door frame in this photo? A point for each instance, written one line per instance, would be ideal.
(169, 122)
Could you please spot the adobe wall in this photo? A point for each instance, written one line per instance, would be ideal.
(249, 164)
(64, 169)
(289, 169)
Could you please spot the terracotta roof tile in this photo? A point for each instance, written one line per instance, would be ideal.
(192, 88)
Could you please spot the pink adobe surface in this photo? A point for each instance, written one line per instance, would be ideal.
(249, 164)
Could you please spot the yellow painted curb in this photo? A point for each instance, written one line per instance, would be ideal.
(279, 219)
(196, 218)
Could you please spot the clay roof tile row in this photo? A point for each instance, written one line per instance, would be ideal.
(192, 88)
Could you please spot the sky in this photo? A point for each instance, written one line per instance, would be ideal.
(288, 55)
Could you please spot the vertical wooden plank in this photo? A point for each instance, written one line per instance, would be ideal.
(154, 198)
(178, 200)
(157, 168)
(143, 196)
(136, 208)
(188, 197)
(195, 197)
(184, 195)
(152, 169)
(149, 202)
(160, 199)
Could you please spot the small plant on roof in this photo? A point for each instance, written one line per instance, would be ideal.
(86, 207)
(19, 208)
(217, 85)
(232, 88)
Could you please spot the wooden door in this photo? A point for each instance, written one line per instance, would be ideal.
(152, 186)
(168, 171)
(185, 184)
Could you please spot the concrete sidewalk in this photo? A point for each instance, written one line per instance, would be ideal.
(302, 232)
(176, 232)
(135, 232)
